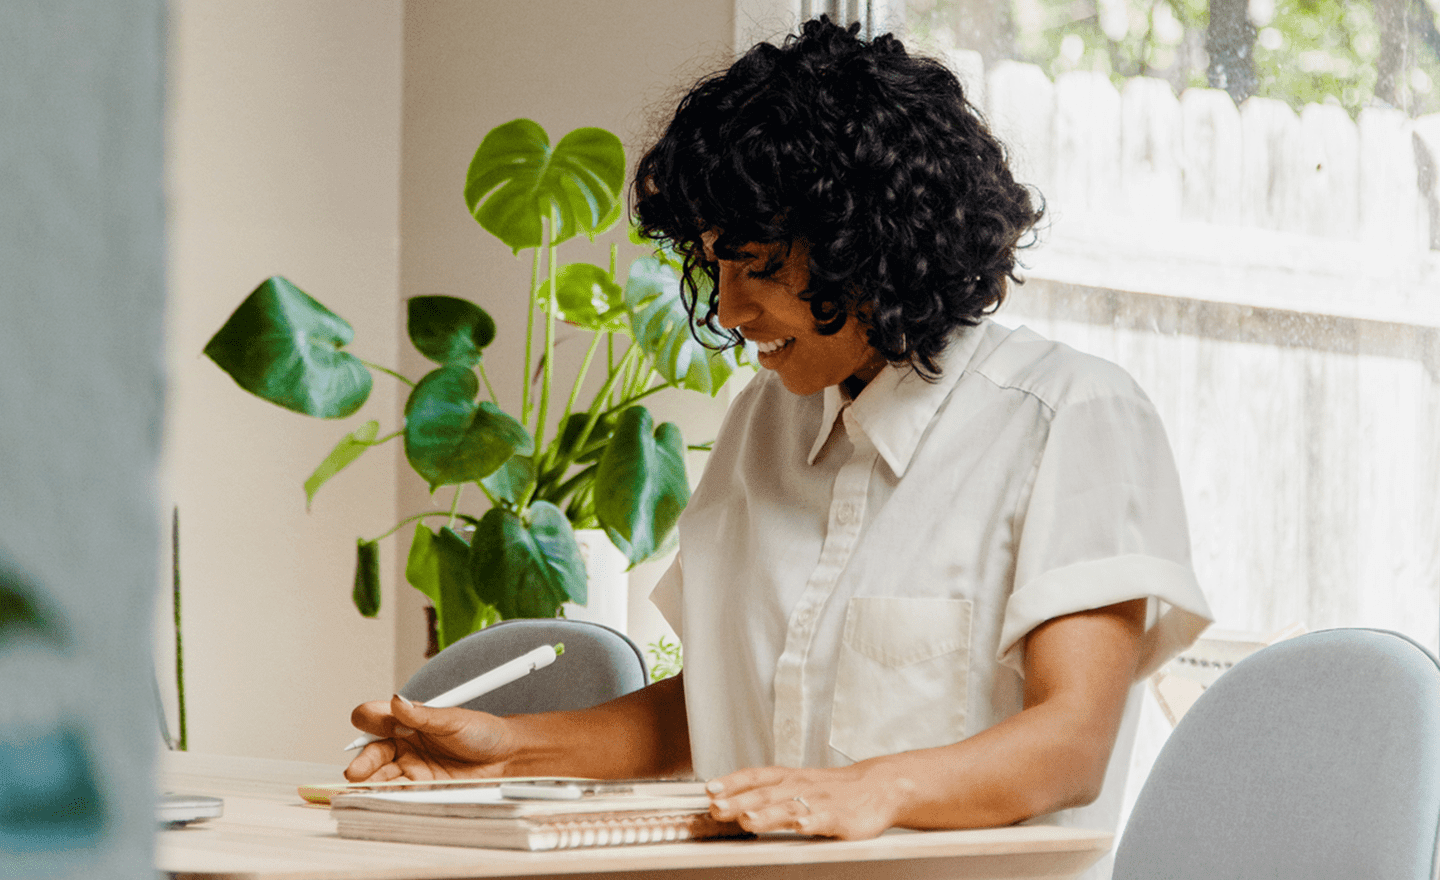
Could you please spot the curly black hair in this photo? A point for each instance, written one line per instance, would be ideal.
(870, 155)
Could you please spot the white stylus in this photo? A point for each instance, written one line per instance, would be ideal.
(483, 684)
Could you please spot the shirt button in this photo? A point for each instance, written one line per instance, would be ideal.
(846, 514)
(804, 618)
(790, 728)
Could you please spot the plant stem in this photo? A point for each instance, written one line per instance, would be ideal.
(488, 387)
(609, 354)
(388, 371)
(643, 375)
(643, 372)
(388, 437)
(549, 371)
(409, 519)
(580, 377)
(529, 338)
(455, 504)
(572, 484)
(634, 398)
(179, 640)
(626, 361)
(596, 409)
(628, 388)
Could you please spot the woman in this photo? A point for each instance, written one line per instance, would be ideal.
(929, 555)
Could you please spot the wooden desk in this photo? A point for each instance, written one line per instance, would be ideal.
(268, 833)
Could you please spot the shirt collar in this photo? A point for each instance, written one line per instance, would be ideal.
(898, 405)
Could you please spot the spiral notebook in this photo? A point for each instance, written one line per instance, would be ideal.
(654, 812)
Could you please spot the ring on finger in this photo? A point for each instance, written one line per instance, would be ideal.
(802, 802)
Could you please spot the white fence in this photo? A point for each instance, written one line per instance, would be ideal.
(1270, 278)
(1261, 205)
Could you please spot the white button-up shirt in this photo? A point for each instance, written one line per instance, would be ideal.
(856, 578)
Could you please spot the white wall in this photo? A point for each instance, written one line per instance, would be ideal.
(328, 142)
(471, 66)
(284, 159)
(82, 290)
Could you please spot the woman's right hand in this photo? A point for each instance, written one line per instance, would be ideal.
(425, 743)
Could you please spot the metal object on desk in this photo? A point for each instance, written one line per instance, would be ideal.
(177, 810)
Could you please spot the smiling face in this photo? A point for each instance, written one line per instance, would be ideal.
(759, 295)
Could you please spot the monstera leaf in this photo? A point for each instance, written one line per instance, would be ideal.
(283, 346)
(366, 594)
(662, 327)
(516, 181)
(640, 486)
(439, 567)
(527, 569)
(448, 330)
(513, 481)
(587, 297)
(350, 447)
(449, 438)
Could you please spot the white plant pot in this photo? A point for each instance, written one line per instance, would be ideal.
(608, 599)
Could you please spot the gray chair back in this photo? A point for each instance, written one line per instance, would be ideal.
(599, 664)
(1316, 758)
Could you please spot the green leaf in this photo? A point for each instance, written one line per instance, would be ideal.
(640, 486)
(448, 330)
(21, 609)
(458, 607)
(663, 253)
(422, 564)
(516, 180)
(283, 346)
(439, 567)
(449, 438)
(527, 570)
(485, 614)
(587, 297)
(512, 482)
(569, 435)
(350, 447)
(367, 578)
(662, 328)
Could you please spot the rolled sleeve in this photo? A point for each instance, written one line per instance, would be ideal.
(1105, 523)
(1180, 617)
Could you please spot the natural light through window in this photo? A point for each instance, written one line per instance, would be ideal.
(1243, 212)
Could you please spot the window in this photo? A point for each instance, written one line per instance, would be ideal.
(1243, 211)
(1269, 270)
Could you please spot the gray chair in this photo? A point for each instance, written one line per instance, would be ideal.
(1317, 757)
(599, 664)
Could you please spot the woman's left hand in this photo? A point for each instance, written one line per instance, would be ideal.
(852, 803)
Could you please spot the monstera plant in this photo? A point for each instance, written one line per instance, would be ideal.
(544, 473)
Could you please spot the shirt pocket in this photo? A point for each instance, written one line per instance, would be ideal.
(902, 678)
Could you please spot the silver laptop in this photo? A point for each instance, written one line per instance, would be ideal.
(173, 810)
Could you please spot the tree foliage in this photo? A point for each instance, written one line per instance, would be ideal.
(1357, 54)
